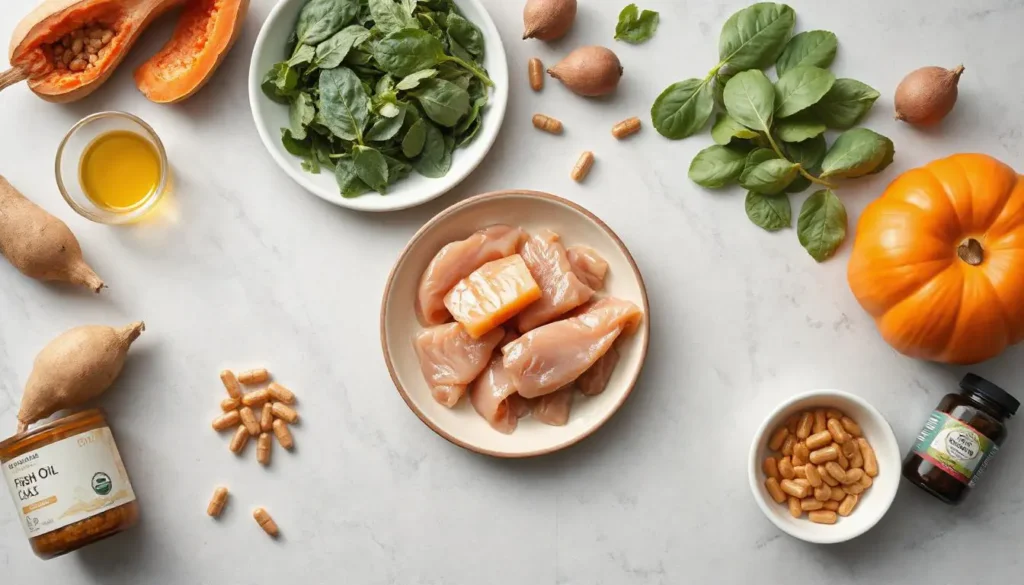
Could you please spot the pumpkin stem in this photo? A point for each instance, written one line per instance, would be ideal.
(971, 252)
(12, 76)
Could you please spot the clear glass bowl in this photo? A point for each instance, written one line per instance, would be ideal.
(69, 156)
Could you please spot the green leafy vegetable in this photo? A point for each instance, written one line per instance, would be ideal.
(769, 177)
(320, 19)
(443, 101)
(816, 48)
(800, 88)
(845, 104)
(716, 166)
(683, 108)
(771, 212)
(344, 105)
(753, 37)
(280, 82)
(798, 128)
(636, 27)
(412, 144)
(750, 99)
(389, 17)
(467, 35)
(821, 226)
(806, 153)
(348, 179)
(300, 114)
(856, 153)
(385, 129)
(371, 168)
(726, 128)
(330, 53)
(435, 158)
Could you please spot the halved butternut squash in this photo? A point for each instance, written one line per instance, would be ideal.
(205, 33)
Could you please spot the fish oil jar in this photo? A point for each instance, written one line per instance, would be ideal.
(68, 483)
(959, 439)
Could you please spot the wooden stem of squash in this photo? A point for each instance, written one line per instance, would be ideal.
(12, 76)
(971, 252)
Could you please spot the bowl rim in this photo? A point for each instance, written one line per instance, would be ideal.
(497, 108)
(754, 467)
(482, 198)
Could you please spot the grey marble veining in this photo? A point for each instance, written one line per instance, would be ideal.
(248, 269)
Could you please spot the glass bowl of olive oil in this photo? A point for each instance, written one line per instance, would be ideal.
(112, 168)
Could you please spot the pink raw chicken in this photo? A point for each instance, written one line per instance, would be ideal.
(458, 260)
(593, 381)
(555, 355)
(562, 290)
(553, 409)
(489, 394)
(588, 265)
(450, 359)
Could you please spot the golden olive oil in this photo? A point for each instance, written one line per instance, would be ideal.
(119, 170)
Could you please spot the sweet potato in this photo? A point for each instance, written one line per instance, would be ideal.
(40, 245)
(77, 366)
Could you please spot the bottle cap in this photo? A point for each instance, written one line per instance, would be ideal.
(978, 385)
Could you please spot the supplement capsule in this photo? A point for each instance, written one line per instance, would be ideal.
(792, 422)
(255, 376)
(229, 404)
(285, 413)
(536, 72)
(839, 434)
(263, 449)
(226, 421)
(870, 463)
(823, 493)
(837, 494)
(841, 459)
(831, 505)
(626, 128)
(819, 422)
(227, 377)
(851, 427)
(547, 124)
(266, 418)
(825, 454)
(787, 445)
(801, 454)
(854, 488)
(583, 165)
(786, 469)
(803, 428)
(848, 504)
(239, 440)
(812, 475)
(216, 505)
(771, 467)
(866, 481)
(775, 443)
(265, 521)
(809, 504)
(833, 413)
(281, 394)
(800, 472)
(284, 436)
(836, 471)
(772, 485)
(819, 440)
(257, 398)
(825, 477)
(794, 507)
(854, 476)
(794, 489)
(249, 420)
(823, 517)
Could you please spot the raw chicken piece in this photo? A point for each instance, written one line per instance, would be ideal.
(451, 359)
(554, 355)
(553, 409)
(455, 262)
(593, 381)
(492, 294)
(550, 267)
(588, 265)
(489, 394)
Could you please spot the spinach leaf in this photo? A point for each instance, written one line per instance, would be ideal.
(755, 36)
(303, 54)
(412, 144)
(716, 166)
(814, 47)
(435, 158)
(845, 104)
(344, 105)
(474, 115)
(636, 27)
(370, 166)
(726, 128)
(320, 19)
(771, 212)
(856, 153)
(799, 128)
(769, 177)
(385, 129)
(408, 51)
(295, 145)
(800, 88)
(300, 114)
(467, 35)
(413, 79)
(330, 53)
(389, 17)
(443, 101)
(348, 179)
(821, 226)
(279, 83)
(682, 109)
(750, 99)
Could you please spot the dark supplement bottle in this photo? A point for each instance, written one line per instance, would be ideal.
(959, 439)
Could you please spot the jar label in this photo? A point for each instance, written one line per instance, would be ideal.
(68, 481)
(954, 447)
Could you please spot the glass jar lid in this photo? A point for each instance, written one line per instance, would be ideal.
(977, 385)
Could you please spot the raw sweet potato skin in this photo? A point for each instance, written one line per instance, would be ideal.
(40, 245)
(77, 366)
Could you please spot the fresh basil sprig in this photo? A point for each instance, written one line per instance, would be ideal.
(770, 137)
(634, 26)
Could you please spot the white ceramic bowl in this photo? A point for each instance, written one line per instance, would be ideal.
(873, 504)
(415, 189)
(398, 324)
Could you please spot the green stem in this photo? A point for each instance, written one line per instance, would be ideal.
(472, 69)
(799, 167)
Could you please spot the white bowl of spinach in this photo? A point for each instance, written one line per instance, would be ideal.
(378, 105)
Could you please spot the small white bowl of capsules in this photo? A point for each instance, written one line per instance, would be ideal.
(824, 466)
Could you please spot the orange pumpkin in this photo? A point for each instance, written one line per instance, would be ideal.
(938, 260)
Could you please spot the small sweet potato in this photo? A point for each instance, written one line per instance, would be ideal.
(77, 366)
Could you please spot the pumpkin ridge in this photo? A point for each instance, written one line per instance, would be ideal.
(944, 189)
(1003, 194)
(1007, 319)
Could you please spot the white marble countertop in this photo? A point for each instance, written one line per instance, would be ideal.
(249, 269)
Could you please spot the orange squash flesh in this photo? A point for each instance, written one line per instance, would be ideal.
(204, 35)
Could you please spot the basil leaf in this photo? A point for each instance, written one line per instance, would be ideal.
(389, 17)
(344, 104)
(466, 34)
(718, 88)
(300, 114)
(303, 54)
(726, 128)
(769, 177)
(436, 158)
(682, 109)
(636, 27)
(320, 19)
(753, 37)
(808, 153)
(371, 167)
(800, 88)
(814, 47)
(758, 156)
(408, 51)
(385, 129)
(716, 166)
(798, 128)
(442, 101)
(348, 180)
(771, 212)
(821, 226)
(798, 185)
(750, 99)
(412, 144)
(330, 53)
(845, 104)
(856, 153)
(413, 79)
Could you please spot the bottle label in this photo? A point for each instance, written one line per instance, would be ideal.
(955, 447)
(68, 481)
